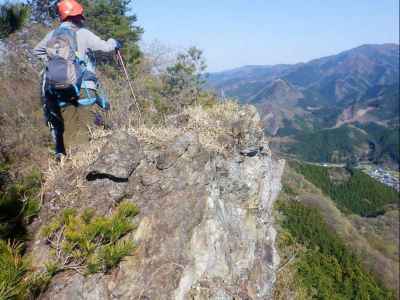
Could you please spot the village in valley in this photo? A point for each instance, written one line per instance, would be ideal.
(383, 175)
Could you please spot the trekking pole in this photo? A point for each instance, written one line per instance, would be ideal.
(119, 57)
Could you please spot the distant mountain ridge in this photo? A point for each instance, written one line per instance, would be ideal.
(365, 65)
(357, 86)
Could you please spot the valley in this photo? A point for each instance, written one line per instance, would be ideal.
(332, 109)
(385, 176)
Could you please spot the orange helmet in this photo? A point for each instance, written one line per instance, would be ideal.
(69, 8)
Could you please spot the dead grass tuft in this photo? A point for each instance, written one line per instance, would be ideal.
(212, 123)
(207, 123)
(78, 158)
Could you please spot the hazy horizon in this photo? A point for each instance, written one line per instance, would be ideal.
(233, 34)
(299, 62)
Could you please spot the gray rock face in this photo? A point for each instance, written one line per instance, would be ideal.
(118, 158)
(174, 151)
(232, 250)
(3, 52)
(205, 230)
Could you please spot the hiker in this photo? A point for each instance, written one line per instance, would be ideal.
(70, 68)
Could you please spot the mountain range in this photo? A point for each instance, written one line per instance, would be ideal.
(329, 109)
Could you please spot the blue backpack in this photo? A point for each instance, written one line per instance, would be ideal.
(64, 71)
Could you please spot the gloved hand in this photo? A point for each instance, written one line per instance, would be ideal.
(119, 44)
(103, 103)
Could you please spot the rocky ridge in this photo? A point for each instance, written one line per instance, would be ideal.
(205, 185)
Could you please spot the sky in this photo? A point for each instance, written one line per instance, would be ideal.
(234, 33)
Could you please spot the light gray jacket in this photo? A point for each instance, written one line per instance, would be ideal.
(86, 41)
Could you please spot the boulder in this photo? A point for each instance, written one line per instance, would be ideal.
(118, 158)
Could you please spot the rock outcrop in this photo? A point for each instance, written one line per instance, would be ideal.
(205, 229)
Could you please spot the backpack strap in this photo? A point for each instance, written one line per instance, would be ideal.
(72, 31)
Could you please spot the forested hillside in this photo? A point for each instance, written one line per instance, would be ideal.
(353, 191)
(329, 253)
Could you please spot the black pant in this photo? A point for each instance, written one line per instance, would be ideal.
(51, 98)
(51, 105)
(54, 119)
(53, 112)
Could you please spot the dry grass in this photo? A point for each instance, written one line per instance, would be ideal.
(157, 136)
(79, 157)
(212, 123)
(23, 135)
(206, 123)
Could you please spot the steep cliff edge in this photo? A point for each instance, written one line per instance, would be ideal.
(205, 185)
